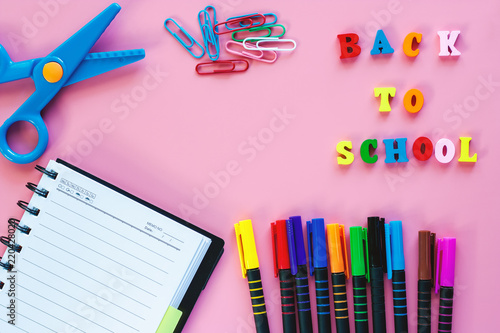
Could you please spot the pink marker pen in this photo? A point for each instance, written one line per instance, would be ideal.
(445, 279)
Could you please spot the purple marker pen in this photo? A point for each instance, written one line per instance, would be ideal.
(445, 279)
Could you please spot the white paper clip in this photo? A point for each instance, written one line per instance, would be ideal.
(261, 40)
(259, 55)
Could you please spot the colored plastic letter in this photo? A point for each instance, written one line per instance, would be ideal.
(384, 93)
(348, 45)
(391, 151)
(408, 44)
(364, 151)
(464, 151)
(422, 148)
(439, 152)
(381, 44)
(408, 100)
(446, 43)
(346, 157)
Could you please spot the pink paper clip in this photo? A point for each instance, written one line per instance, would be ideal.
(254, 20)
(259, 55)
(222, 66)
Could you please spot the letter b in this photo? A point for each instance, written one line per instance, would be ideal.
(348, 45)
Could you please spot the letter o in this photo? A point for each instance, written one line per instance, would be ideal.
(408, 100)
(422, 148)
(450, 150)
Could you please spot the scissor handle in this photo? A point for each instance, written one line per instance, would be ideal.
(30, 111)
(43, 138)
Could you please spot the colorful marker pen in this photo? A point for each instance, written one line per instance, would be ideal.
(298, 266)
(396, 272)
(445, 279)
(339, 267)
(281, 261)
(318, 267)
(250, 270)
(426, 255)
(360, 275)
(376, 251)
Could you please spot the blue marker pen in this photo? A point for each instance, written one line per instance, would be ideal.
(298, 265)
(316, 240)
(396, 271)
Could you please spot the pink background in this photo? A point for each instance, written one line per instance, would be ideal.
(180, 129)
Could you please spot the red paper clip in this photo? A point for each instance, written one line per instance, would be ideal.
(249, 20)
(222, 66)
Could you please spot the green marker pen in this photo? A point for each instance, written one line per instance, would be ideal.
(360, 275)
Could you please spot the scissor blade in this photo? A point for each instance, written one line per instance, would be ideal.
(102, 62)
(75, 49)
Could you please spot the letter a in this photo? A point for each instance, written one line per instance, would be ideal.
(381, 44)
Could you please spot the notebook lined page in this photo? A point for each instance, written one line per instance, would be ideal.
(96, 261)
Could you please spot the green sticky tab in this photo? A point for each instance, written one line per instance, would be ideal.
(170, 320)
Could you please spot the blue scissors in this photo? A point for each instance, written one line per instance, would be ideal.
(71, 62)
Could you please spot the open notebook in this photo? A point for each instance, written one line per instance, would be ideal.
(98, 259)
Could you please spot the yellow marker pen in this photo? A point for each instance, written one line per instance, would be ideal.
(250, 269)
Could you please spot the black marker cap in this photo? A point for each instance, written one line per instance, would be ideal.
(376, 242)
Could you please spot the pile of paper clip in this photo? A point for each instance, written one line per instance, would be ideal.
(251, 34)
